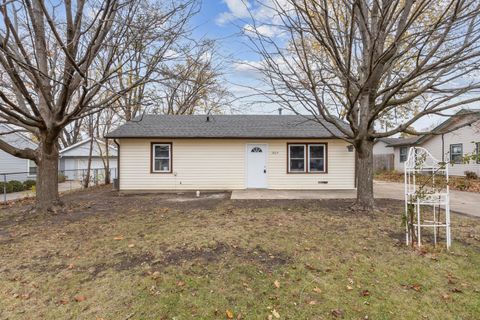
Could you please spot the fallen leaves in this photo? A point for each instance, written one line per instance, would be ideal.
(275, 314)
(415, 287)
(118, 238)
(317, 290)
(276, 283)
(80, 298)
(337, 313)
(180, 283)
(229, 314)
(365, 293)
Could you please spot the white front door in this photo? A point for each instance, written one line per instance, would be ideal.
(256, 165)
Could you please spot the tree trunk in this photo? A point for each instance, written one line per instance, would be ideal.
(106, 162)
(86, 179)
(47, 177)
(364, 159)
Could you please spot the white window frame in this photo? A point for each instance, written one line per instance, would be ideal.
(451, 153)
(154, 145)
(478, 152)
(324, 157)
(304, 157)
(400, 154)
(28, 168)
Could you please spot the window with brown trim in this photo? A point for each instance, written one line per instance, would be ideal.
(161, 155)
(296, 158)
(316, 158)
(307, 157)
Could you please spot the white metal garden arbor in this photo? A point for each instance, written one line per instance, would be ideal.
(426, 196)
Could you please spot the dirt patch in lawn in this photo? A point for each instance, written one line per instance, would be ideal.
(165, 256)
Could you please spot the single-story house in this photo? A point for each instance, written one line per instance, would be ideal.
(17, 168)
(452, 146)
(74, 159)
(226, 152)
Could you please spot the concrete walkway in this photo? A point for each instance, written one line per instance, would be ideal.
(292, 194)
(62, 187)
(462, 202)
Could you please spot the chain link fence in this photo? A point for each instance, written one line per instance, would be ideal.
(18, 185)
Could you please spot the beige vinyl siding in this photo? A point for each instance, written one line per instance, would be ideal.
(210, 164)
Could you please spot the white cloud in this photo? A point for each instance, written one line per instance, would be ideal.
(238, 9)
(264, 13)
(263, 30)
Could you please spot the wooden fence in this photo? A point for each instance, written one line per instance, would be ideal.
(383, 162)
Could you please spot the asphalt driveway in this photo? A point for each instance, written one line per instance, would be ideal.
(460, 201)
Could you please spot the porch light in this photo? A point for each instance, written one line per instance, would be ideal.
(350, 148)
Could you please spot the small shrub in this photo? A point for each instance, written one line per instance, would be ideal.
(62, 177)
(28, 184)
(15, 186)
(2, 186)
(471, 175)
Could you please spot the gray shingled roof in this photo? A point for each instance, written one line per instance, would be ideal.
(403, 142)
(389, 140)
(225, 126)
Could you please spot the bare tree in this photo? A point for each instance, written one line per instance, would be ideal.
(56, 60)
(194, 83)
(370, 61)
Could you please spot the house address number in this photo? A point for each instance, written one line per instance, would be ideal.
(275, 152)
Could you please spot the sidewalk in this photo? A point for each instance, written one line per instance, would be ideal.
(62, 187)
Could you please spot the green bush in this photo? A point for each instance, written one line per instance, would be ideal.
(15, 185)
(61, 177)
(2, 185)
(471, 175)
(28, 184)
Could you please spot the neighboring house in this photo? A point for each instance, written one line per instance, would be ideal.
(74, 159)
(18, 168)
(198, 152)
(383, 159)
(380, 146)
(448, 147)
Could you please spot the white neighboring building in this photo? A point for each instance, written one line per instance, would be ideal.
(19, 169)
(448, 147)
(74, 159)
(381, 146)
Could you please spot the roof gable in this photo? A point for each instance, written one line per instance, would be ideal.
(16, 139)
(82, 149)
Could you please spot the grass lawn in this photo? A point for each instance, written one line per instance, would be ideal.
(177, 257)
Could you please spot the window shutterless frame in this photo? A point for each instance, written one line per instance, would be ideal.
(289, 157)
(152, 157)
(403, 154)
(307, 159)
(310, 157)
(31, 165)
(478, 152)
(453, 155)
